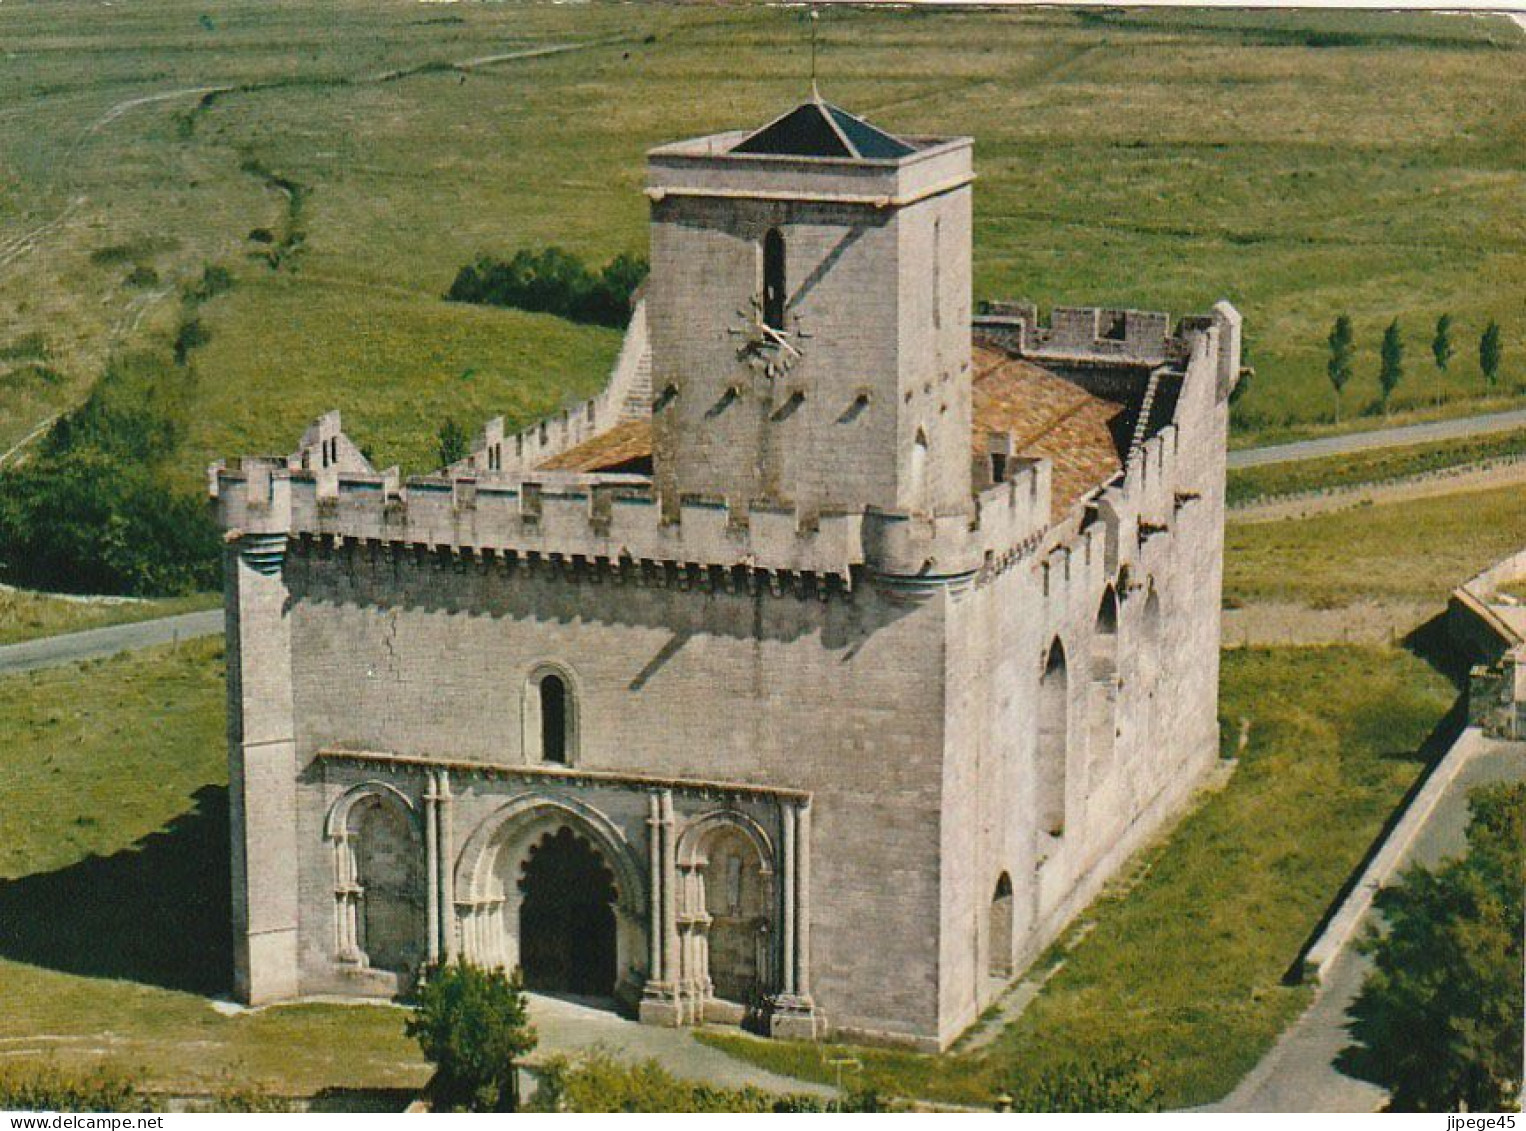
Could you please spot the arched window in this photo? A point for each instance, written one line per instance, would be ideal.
(917, 473)
(1053, 741)
(553, 719)
(550, 717)
(999, 929)
(1102, 702)
(773, 279)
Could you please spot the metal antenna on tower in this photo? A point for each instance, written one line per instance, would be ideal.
(815, 15)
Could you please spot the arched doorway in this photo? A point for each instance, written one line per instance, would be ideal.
(567, 917)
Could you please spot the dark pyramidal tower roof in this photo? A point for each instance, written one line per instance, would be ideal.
(819, 129)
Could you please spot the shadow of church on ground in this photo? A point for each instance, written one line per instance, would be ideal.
(157, 912)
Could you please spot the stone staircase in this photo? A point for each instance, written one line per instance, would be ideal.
(1146, 410)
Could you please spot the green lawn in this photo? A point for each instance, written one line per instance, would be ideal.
(114, 891)
(1181, 963)
(1300, 163)
(1418, 549)
(395, 364)
(25, 615)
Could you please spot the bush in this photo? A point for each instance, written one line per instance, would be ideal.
(48, 1088)
(92, 513)
(143, 276)
(454, 444)
(238, 1099)
(215, 280)
(193, 334)
(597, 1082)
(553, 281)
(90, 524)
(1076, 1086)
(473, 1025)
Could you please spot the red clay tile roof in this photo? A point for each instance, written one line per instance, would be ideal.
(626, 442)
(1049, 417)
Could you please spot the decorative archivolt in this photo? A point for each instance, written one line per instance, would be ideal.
(692, 840)
(337, 825)
(521, 816)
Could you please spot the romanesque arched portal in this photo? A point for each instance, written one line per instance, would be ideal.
(566, 924)
(550, 885)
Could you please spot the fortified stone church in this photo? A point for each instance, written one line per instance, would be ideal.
(811, 676)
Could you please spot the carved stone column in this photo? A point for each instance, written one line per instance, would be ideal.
(803, 901)
(670, 893)
(447, 850)
(655, 971)
(794, 1013)
(660, 999)
(432, 867)
(346, 900)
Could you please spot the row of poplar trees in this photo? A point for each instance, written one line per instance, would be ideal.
(1342, 364)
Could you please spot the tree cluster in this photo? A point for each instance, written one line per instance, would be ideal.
(1341, 364)
(92, 512)
(1438, 1023)
(553, 281)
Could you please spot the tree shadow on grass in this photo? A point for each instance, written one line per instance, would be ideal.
(157, 912)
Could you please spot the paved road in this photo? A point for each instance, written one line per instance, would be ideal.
(50, 651)
(1429, 432)
(1299, 1073)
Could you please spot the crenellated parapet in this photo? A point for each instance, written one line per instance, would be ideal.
(614, 523)
(327, 490)
(1090, 335)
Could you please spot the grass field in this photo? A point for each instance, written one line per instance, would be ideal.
(114, 897)
(26, 616)
(1300, 163)
(1419, 549)
(114, 891)
(1181, 961)
(1378, 466)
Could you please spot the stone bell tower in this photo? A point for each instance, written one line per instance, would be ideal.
(809, 310)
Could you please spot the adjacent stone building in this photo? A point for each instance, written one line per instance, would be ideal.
(811, 676)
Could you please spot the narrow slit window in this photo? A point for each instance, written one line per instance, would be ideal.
(553, 719)
(937, 273)
(773, 279)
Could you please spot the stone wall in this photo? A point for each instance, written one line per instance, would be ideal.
(840, 699)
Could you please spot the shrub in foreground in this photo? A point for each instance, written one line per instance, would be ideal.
(597, 1082)
(1088, 1086)
(46, 1087)
(473, 1024)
